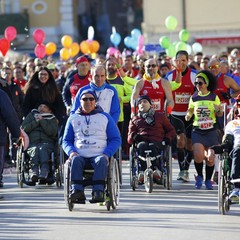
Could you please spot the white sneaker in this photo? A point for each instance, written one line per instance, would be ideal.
(234, 196)
(183, 175)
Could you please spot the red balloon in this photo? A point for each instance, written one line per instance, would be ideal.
(10, 33)
(4, 46)
(39, 36)
(40, 50)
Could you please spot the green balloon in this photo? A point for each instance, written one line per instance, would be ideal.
(184, 35)
(164, 42)
(171, 23)
(181, 46)
(171, 52)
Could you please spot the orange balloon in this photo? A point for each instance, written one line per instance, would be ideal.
(85, 47)
(64, 54)
(94, 46)
(51, 48)
(66, 41)
(74, 49)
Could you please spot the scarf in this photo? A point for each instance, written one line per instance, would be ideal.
(96, 88)
(44, 115)
(148, 116)
(152, 80)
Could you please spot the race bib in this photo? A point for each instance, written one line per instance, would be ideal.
(205, 124)
(156, 104)
(182, 98)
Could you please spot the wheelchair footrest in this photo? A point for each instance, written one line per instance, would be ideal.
(30, 183)
(79, 201)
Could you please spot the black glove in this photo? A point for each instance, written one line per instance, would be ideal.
(226, 95)
(166, 141)
(217, 149)
(137, 138)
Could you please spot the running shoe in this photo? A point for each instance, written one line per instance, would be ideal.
(198, 183)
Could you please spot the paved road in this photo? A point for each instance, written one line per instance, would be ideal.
(183, 213)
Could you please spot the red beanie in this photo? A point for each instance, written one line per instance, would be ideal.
(81, 59)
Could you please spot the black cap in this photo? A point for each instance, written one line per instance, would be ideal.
(144, 97)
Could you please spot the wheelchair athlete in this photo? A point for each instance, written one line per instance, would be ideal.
(91, 138)
(41, 127)
(231, 142)
(147, 130)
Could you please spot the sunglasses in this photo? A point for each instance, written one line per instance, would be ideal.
(151, 65)
(198, 83)
(214, 66)
(88, 99)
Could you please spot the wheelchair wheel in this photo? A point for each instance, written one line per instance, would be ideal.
(19, 162)
(168, 168)
(221, 188)
(60, 166)
(133, 170)
(148, 180)
(113, 184)
(67, 186)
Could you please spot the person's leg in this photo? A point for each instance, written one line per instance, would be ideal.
(45, 151)
(1, 164)
(76, 178)
(33, 153)
(100, 166)
(76, 173)
(198, 152)
(235, 168)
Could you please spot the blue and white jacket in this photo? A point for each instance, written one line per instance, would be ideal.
(91, 134)
(107, 98)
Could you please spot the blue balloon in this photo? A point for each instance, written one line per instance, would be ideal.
(115, 39)
(127, 41)
(136, 33)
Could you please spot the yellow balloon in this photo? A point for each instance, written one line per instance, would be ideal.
(85, 47)
(94, 46)
(64, 54)
(51, 48)
(74, 49)
(66, 41)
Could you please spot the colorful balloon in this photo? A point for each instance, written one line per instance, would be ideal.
(4, 46)
(197, 47)
(74, 49)
(184, 35)
(127, 41)
(39, 36)
(10, 33)
(181, 46)
(171, 23)
(93, 46)
(135, 33)
(40, 50)
(64, 54)
(51, 48)
(171, 52)
(111, 51)
(164, 41)
(115, 39)
(66, 41)
(85, 47)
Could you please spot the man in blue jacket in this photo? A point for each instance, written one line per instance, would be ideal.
(91, 137)
(8, 119)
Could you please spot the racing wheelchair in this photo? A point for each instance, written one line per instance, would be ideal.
(23, 165)
(112, 184)
(225, 183)
(160, 160)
